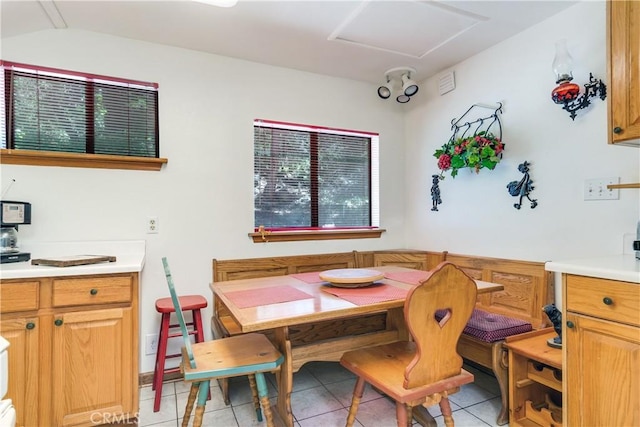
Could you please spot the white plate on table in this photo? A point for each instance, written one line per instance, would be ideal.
(351, 277)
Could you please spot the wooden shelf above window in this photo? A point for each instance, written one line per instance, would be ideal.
(291, 236)
(101, 161)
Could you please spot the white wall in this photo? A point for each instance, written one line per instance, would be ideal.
(204, 196)
(477, 215)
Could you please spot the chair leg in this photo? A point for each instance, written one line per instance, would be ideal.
(445, 408)
(224, 388)
(358, 390)
(403, 414)
(193, 392)
(203, 394)
(263, 392)
(254, 394)
(197, 418)
(158, 374)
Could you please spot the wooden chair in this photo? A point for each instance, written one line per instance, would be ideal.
(248, 354)
(426, 369)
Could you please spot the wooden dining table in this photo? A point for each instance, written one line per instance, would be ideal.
(281, 304)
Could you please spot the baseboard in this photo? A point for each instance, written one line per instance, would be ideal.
(146, 378)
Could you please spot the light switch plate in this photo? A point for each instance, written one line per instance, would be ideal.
(596, 189)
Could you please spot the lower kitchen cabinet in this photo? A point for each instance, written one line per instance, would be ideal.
(602, 350)
(24, 366)
(92, 366)
(73, 358)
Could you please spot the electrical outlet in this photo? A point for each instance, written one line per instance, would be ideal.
(596, 189)
(151, 344)
(152, 225)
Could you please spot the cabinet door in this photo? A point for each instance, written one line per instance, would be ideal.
(22, 335)
(92, 366)
(603, 373)
(624, 70)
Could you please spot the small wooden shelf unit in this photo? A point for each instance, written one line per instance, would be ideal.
(535, 380)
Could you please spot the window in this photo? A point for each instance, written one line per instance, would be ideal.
(49, 110)
(313, 178)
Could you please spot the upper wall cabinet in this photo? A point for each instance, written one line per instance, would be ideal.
(623, 28)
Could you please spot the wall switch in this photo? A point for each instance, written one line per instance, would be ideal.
(151, 344)
(152, 225)
(596, 189)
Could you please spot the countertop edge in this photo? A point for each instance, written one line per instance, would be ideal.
(625, 268)
(130, 258)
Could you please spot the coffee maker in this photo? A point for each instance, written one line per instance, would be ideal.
(12, 214)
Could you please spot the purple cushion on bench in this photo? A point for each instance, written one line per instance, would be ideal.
(490, 327)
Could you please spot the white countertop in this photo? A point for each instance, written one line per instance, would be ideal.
(130, 255)
(616, 267)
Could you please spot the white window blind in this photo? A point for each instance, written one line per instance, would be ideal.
(308, 177)
(56, 110)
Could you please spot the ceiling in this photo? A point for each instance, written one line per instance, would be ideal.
(355, 39)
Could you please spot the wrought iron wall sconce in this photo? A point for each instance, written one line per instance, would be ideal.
(568, 94)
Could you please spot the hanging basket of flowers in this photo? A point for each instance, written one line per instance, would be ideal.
(479, 151)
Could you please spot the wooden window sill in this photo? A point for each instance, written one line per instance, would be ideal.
(101, 161)
(301, 235)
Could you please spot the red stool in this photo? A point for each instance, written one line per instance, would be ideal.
(165, 306)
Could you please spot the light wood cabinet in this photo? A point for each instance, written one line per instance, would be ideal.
(601, 335)
(623, 21)
(73, 355)
(535, 380)
(22, 334)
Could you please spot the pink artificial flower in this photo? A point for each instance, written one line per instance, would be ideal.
(444, 162)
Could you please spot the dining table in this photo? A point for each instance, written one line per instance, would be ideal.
(282, 304)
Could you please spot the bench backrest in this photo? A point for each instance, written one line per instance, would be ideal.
(527, 286)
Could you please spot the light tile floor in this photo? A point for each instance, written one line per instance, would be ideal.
(321, 397)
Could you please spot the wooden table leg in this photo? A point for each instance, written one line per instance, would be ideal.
(285, 377)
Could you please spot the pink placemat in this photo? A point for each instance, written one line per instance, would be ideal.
(311, 277)
(411, 277)
(378, 292)
(266, 296)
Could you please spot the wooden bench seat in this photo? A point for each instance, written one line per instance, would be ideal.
(527, 288)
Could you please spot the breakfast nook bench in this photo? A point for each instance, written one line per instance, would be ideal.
(527, 287)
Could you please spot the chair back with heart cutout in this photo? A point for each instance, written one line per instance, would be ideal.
(179, 314)
(452, 293)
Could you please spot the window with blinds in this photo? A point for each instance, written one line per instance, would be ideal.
(56, 110)
(308, 177)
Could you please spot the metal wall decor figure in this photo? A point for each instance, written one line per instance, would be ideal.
(435, 192)
(523, 187)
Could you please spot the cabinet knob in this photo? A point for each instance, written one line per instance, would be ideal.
(617, 130)
(31, 325)
(93, 291)
(570, 324)
(58, 322)
(607, 300)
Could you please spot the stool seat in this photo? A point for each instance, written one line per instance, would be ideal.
(164, 306)
(187, 302)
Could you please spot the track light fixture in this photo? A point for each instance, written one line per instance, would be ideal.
(385, 90)
(399, 84)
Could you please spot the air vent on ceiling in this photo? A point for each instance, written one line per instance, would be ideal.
(446, 83)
